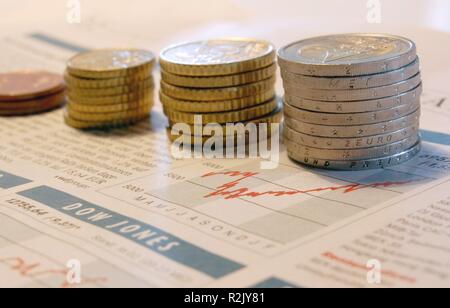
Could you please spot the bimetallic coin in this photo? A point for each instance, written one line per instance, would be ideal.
(364, 118)
(25, 85)
(354, 95)
(358, 165)
(350, 143)
(110, 63)
(352, 83)
(225, 117)
(145, 85)
(216, 106)
(347, 55)
(109, 108)
(357, 106)
(351, 131)
(86, 83)
(220, 81)
(110, 100)
(217, 57)
(353, 154)
(219, 93)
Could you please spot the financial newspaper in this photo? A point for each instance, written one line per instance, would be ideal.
(120, 210)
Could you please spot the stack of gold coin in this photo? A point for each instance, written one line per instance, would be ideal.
(109, 88)
(223, 81)
(30, 92)
(352, 101)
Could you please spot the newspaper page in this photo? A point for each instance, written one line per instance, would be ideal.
(119, 209)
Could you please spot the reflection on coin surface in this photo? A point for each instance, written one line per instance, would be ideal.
(349, 54)
(28, 85)
(247, 54)
(109, 60)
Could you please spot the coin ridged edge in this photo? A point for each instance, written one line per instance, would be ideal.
(219, 93)
(216, 106)
(218, 69)
(358, 165)
(220, 81)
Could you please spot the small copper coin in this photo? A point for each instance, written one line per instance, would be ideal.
(26, 85)
(35, 106)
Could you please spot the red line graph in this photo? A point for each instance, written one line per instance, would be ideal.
(36, 270)
(353, 264)
(230, 190)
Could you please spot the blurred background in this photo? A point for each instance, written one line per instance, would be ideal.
(156, 23)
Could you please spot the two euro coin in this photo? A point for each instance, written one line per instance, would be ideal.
(352, 101)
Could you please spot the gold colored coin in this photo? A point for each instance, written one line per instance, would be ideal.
(218, 106)
(111, 63)
(217, 57)
(145, 85)
(111, 100)
(217, 94)
(224, 117)
(86, 83)
(273, 118)
(109, 108)
(114, 116)
(79, 124)
(220, 81)
(189, 139)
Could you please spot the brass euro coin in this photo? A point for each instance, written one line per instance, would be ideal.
(119, 123)
(145, 85)
(219, 93)
(109, 108)
(192, 139)
(217, 57)
(111, 63)
(224, 117)
(216, 106)
(220, 81)
(87, 83)
(110, 100)
(273, 118)
(113, 116)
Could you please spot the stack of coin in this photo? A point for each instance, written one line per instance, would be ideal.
(352, 101)
(223, 81)
(109, 88)
(30, 92)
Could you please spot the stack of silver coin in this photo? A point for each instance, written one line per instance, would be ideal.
(352, 101)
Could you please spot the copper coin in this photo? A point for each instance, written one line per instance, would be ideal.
(42, 104)
(24, 85)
